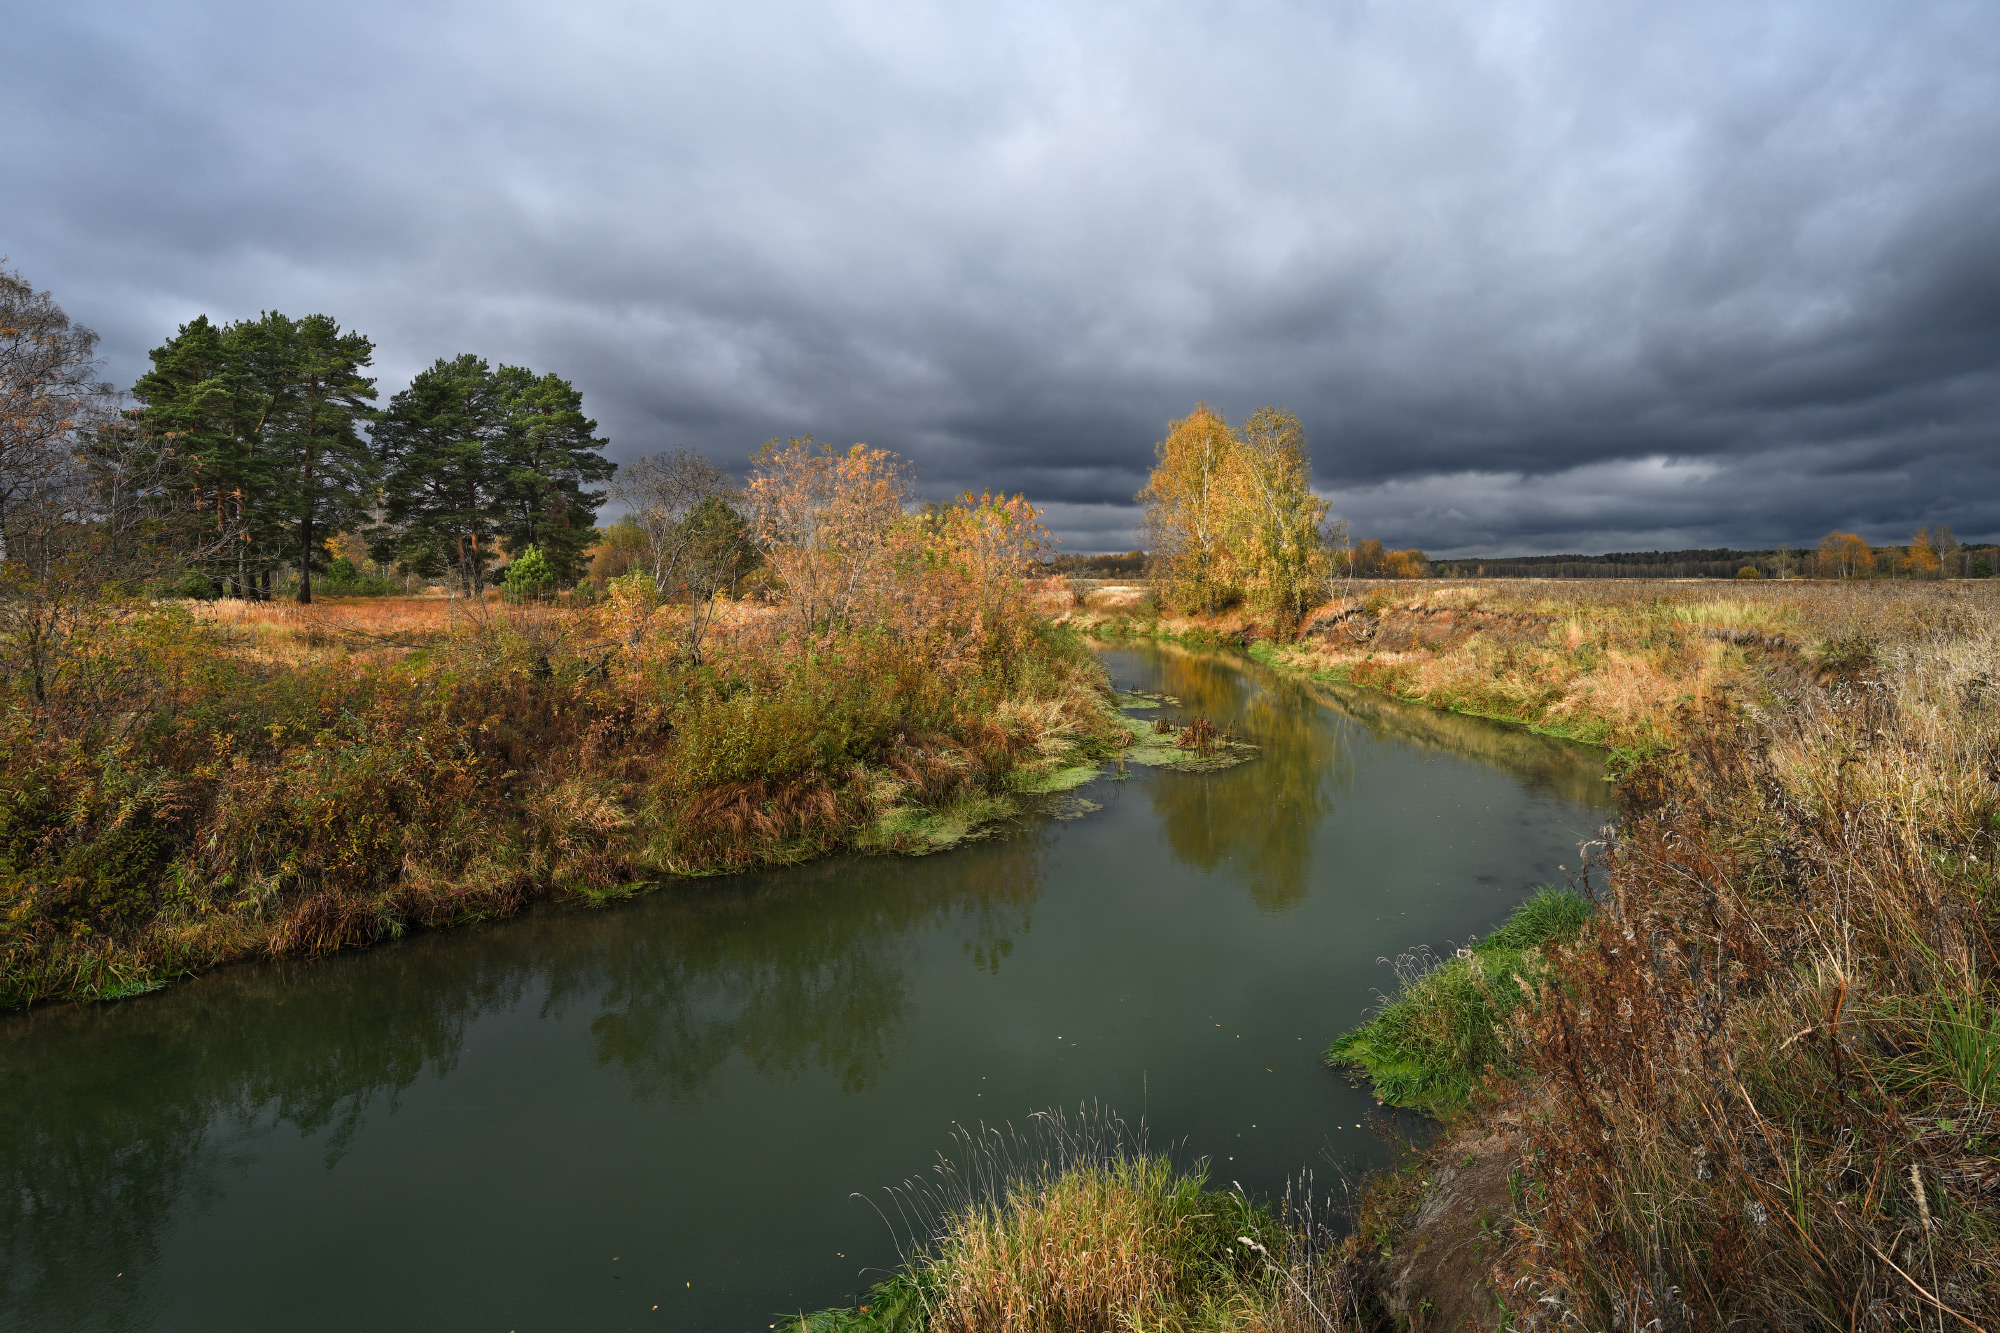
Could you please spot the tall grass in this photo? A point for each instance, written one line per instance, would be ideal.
(222, 786)
(1076, 1226)
(1758, 1090)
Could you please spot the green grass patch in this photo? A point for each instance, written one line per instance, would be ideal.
(1428, 1047)
(914, 831)
(1057, 780)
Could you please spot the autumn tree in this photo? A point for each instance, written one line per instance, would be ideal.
(1187, 513)
(1934, 552)
(1949, 553)
(1368, 559)
(715, 550)
(619, 550)
(986, 543)
(90, 511)
(823, 519)
(1274, 521)
(1844, 555)
(1921, 560)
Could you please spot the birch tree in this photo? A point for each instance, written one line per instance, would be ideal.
(50, 394)
(1186, 513)
(1274, 517)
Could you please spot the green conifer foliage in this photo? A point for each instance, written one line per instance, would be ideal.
(479, 460)
(270, 411)
(548, 457)
(437, 443)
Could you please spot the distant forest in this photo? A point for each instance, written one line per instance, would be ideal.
(1923, 558)
(1835, 559)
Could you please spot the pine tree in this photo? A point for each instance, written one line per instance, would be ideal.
(437, 443)
(547, 455)
(198, 399)
(320, 466)
(270, 409)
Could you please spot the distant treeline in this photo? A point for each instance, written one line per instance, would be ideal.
(1716, 563)
(1112, 565)
(1931, 554)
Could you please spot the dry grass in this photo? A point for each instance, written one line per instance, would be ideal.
(1077, 1227)
(240, 780)
(374, 627)
(1764, 1090)
(1618, 663)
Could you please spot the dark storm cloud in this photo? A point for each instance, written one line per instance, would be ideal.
(1558, 275)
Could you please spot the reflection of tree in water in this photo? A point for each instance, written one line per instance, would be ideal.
(118, 1115)
(1258, 817)
(804, 970)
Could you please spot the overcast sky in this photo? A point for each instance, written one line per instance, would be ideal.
(1561, 276)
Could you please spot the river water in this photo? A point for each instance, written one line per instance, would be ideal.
(659, 1115)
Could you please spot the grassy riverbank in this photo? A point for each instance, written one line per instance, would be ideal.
(243, 782)
(1622, 665)
(1762, 1086)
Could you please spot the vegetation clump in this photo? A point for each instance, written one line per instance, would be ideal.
(1758, 1088)
(1078, 1228)
(1430, 1046)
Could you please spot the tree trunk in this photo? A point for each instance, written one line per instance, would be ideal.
(305, 562)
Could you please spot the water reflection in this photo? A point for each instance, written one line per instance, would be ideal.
(1543, 764)
(818, 983)
(116, 1113)
(1257, 819)
(121, 1115)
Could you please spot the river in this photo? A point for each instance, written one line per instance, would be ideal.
(659, 1115)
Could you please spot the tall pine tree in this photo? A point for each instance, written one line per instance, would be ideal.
(321, 467)
(478, 460)
(549, 458)
(269, 409)
(441, 489)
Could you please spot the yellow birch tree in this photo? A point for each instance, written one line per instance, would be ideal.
(1187, 510)
(1273, 516)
